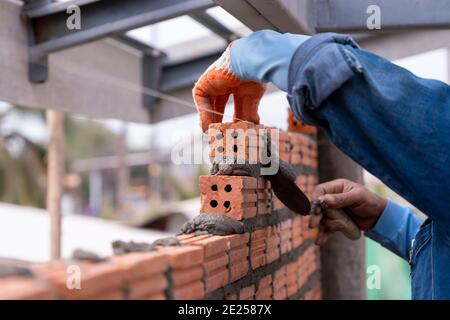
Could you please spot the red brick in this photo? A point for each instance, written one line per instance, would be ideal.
(111, 295)
(247, 292)
(258, 245)
(272, 255)
(280, 294)
(187, 239)
(285, 156)
(292, 289)
(234, 209)
(238, 270)
(141, 288)
(215, 262)
(237, 240)
(237, 183)
(276, 203)
(231, 297)
(258, 234)
(95, 278)
(140, 265)
(190, 291)
(184, 257)
(291, 268)
(217, 279)
(156, 296)
(21, 288)
(264, 195)
(238, 254)
(258, 260)
(265, 281)
(285, 247)
(264, 294)
(212, 245)
(273, 242)
(264, 207)
(286, 224)
(296, 158)
(188, 275)
(263, 185)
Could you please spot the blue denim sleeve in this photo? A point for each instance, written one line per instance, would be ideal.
(396, 228)
(394, 124)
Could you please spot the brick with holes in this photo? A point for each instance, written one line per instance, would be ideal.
(240, 139)
(295, 125)
(234, 196)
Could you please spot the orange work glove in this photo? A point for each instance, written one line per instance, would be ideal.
(213, 88)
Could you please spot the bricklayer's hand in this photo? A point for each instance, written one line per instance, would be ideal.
(362, 205)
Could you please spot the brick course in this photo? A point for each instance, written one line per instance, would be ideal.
(273, 261)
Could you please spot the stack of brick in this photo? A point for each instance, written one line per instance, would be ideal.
(264, 291)
(25, 287)
(280, 284)
(274, 259)
(292, 278)
(273, 242)
(143, 275)
(82, 280)
(215, 261)
(185, 274)
(238, 255)
(258, 248)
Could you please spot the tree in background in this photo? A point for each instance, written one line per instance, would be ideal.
(23, 157)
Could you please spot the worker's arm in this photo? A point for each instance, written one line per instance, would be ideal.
(396, 228)
(394, 124)
(388, 223)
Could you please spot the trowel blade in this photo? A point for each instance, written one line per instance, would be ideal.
(290, 194)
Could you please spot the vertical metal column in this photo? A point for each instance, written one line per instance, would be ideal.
(55, 175)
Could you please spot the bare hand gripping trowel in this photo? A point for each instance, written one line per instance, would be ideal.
(351, 230)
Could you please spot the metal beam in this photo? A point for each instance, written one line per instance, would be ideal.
(312, 16)
(184, 74)
(214, 25)
(351, 15)
(99, 18)
(152, 62)
(138, 45)
(279, 15)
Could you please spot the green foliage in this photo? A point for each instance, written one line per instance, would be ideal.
(23, 172)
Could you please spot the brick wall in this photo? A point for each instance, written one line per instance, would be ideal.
(275, 258)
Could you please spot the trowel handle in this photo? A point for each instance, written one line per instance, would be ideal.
(352, 231)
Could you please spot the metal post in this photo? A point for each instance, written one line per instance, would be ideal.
(343, 260)
(55, 174)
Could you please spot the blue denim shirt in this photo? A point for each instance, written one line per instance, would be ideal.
(395, 125)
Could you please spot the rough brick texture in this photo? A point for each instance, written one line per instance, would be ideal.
(274, 259)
